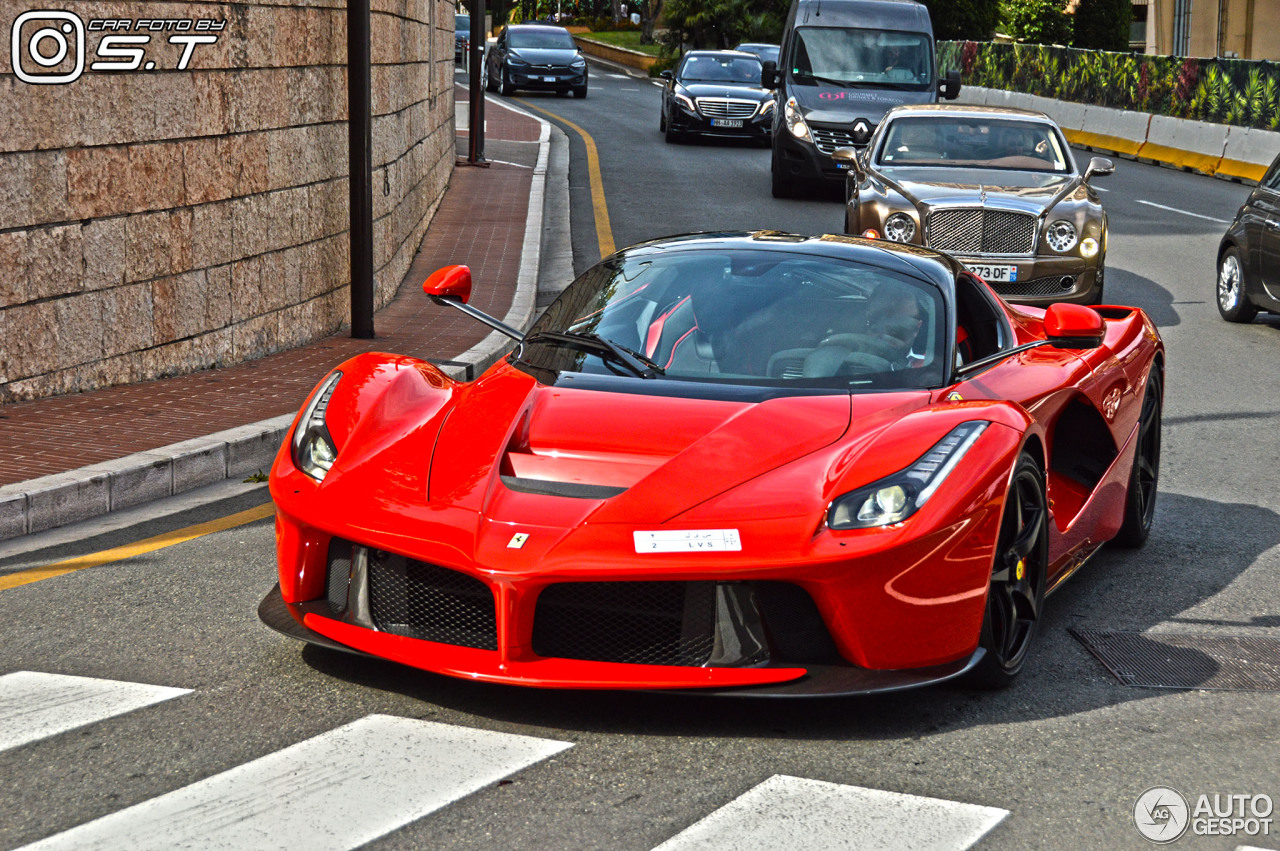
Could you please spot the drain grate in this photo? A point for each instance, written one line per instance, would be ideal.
(1175, 660)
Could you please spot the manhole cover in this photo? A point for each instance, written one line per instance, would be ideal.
(1174, 660)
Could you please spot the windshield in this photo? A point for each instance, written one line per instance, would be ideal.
(541, 39)
(766, 52)
(854, 57)
(462, 23)
(711, 68)
(750, 317)
(973, 143)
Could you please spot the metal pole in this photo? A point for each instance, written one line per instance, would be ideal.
(360, 152)
(475, 73)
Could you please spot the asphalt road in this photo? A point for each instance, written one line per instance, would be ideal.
(1067, 750)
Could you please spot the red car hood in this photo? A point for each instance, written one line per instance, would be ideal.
(660, 455)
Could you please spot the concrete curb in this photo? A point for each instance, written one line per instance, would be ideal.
(1220, 150)
(64, 498)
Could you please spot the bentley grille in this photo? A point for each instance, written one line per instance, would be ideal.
(727, 107)
(648, 623)
(429, 602)
(981, 231)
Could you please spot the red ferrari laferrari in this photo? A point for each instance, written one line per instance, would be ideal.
(750, 463)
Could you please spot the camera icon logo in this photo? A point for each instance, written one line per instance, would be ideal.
(47, 47)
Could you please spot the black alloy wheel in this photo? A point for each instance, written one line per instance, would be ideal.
(1144, 480)
(1233, 302)
(1018, 576)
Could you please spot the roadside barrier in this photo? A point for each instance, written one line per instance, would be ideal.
(1222, 150)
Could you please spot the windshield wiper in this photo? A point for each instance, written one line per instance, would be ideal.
(634, 362)
(830, 81)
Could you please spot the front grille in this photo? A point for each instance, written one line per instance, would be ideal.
(648, 623)
(828, 140)
(981, 231)
(1053, 285)
(421, 600)
(726, 107)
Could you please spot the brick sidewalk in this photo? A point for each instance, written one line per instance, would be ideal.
(480, 222)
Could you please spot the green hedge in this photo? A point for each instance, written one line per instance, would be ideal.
(1223, 91)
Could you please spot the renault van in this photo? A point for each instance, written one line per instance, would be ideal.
(843, 65)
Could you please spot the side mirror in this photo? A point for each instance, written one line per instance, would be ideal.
(451, 282)
(1099, 167)
(1073, 326)
(849, 157)
(667, 74)
(949, 88)
(769, 76)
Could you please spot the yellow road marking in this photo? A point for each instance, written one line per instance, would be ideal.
(159, 542)
(604, 231)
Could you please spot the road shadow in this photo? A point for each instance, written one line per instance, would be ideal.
(1198, 548)
(1129, 288)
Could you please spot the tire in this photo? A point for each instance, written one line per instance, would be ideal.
(782, 188)
(580, 92)
(1019, 574)
(1144, 477)
(672, 135)
(490, 84)
(662, 121)
(1233, 301)
(1099, 284)
(504, 85)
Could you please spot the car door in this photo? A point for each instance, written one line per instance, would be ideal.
(1262, 229)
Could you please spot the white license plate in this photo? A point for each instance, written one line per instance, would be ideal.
(994, 274)
(548, 79)
(726, 122)
(688, 541)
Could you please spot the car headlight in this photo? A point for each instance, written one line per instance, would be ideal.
(795, 121)
(1089, 247)
(897, 497)
(580, 62)
(313, 448)
(767, 107)
(899, 228)
(1061, 236)
(516, 62)
(684, 101)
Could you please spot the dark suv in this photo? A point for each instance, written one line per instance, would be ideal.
(536, 56)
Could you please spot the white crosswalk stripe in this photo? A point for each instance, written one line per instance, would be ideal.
(793, 812)
(34, 706)
(336, 791)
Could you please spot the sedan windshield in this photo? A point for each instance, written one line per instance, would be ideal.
(854, 57)
(712, 68)
(541, 39)
(744, 316)
(461, 23)
(973, 143)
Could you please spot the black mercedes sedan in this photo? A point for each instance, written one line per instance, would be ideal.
(716, 93)
(542, 57)
(1249, 254)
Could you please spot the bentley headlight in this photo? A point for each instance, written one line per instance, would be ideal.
(313, 448)
(1061, 236)
(684, 101)
(795, 121)
(1089, 247)
(899, 228)
(894, 499)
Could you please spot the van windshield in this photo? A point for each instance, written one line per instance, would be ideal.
(858, 57)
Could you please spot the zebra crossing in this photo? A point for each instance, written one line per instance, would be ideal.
(346, 787)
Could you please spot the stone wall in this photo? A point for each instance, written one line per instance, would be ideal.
(159, 221)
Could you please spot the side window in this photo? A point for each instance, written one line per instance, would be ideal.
(980, 324)
(1272, 178)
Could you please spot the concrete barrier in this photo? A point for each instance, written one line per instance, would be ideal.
(621, 55)
(1185, 144)
(1114, 130)
(1249, 153)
